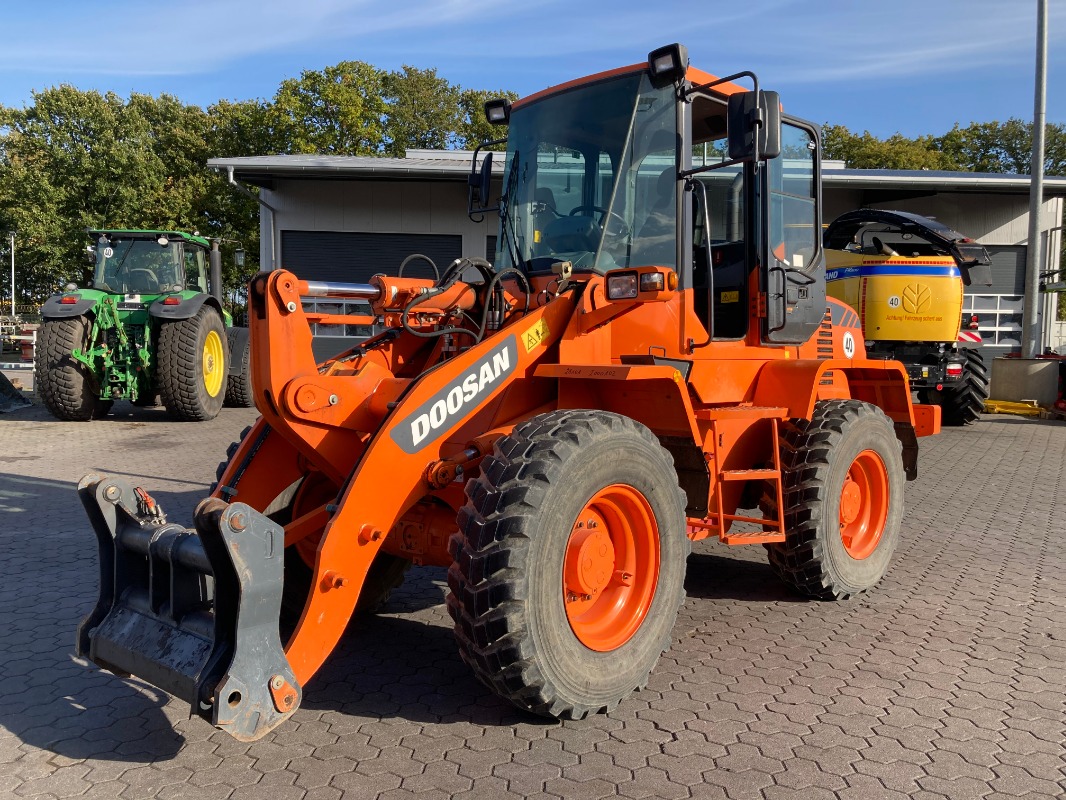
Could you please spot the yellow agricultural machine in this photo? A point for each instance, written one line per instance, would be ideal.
(904, 275)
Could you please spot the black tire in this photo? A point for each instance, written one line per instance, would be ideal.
(66, 386)
(506, 582)
(816, 457)
(239, 383)
(192, 384)
(387, 572)
(963, 405)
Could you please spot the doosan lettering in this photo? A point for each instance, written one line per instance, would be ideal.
(461, 394)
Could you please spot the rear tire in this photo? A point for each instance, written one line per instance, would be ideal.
(843, 492)
(964, 404)
(193, 364)
(66, 386)
(558, 615)
(239, 383)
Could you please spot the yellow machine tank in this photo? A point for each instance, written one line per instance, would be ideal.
(904, 274)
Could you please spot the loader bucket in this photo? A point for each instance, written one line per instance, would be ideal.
(194, 612)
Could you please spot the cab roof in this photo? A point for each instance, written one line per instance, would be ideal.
(146, 234)
(693, 75)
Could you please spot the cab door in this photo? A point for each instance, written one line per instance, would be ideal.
(793, 279)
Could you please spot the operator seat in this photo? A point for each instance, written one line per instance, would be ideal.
(142, 281)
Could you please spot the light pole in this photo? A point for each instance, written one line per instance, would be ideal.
(11, 235)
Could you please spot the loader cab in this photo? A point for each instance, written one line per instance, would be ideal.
(625, 170)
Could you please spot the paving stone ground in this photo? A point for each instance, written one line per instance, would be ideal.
(945, 681)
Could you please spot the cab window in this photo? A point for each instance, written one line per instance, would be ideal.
(194, 269)
(794, 234)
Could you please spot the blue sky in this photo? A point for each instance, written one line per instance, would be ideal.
(911, 66)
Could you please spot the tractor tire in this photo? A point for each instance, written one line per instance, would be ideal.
(239, 383)
(193, 365)
(66, 386)
(569, 564)
(963, 405)
(843, 493)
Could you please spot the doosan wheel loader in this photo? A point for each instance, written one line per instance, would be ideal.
(651, 358)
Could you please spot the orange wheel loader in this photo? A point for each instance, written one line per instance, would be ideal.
(652, 360)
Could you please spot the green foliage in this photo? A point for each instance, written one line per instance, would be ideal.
(423, 111)
(338, 111)
(979, 147)
(73, 159)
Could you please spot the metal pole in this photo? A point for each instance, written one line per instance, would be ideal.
(12, 235)
(1034, 261)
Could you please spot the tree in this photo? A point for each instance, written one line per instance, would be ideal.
(74, 160)
(1004, 147)
(869, 152)
(340, 110)
(423, 111)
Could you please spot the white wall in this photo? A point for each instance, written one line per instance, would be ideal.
(374, 207)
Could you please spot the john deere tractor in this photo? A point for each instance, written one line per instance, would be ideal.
(149, 326)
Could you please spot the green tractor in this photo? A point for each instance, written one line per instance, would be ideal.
(149, 326)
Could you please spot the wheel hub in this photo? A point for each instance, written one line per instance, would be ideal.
(850, 501)
(864, 502)
(611, 567)
(590, 559)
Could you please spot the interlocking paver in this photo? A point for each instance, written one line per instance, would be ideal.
(944, 682)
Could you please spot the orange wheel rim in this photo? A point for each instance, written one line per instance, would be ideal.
(864, 505)
(611, 567)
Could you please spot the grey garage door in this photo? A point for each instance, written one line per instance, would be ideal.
(354, 257)
(999, 306)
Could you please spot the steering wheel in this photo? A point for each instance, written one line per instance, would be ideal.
(619, 233)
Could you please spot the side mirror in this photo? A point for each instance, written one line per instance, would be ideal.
(754, 125)
(479, 184)
(238, 257)
(90, 254)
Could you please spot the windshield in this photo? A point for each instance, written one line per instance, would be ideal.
(591, 178)
(127, 265)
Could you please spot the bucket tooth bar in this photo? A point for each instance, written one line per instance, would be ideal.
(194, 612)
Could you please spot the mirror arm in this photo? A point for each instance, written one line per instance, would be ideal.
(704, 87)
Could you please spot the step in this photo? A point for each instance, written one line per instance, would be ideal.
(742, 412)
(753, 537)
(748, 474)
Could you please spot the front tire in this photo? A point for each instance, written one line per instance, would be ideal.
(65, 385)
(843, 493)
(193, 364)
(569, 563)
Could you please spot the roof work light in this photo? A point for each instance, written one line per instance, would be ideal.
(668, 64)
(498, 111)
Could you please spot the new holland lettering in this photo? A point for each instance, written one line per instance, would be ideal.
(456, 400)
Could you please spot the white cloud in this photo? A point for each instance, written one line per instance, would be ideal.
(128, 37)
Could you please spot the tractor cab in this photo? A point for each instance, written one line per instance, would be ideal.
(147, 262)
(673, 169)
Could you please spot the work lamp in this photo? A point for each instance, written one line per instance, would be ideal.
(498, 111)
(668, 64)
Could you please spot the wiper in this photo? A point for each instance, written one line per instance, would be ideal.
(510, 235)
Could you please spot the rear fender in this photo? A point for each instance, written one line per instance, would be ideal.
(53, 309)
(187, 308)
(453, 401)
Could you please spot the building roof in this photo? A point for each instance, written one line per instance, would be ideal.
(454, 165)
